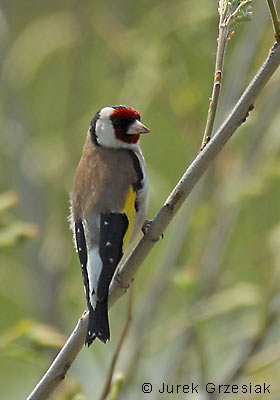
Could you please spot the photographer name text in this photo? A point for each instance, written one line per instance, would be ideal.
(210, 388)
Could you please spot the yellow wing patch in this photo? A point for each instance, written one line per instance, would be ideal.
(129, 210)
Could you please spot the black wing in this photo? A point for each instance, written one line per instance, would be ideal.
(82, 252)
(113, 227)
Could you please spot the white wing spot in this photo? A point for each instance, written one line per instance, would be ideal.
(78, 230)
(80, 249)
(108, 244)
(106, 222)
(111, 260)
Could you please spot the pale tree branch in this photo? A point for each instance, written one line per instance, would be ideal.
(201, 163)
(58, 369)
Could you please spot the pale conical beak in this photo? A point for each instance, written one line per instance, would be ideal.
(136, 128)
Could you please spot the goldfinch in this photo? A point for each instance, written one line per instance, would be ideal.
(108, 205)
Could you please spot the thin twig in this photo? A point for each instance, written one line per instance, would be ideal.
(201, 355)
(226, 18)
(107, 385)
(247, 46)
(65, 357)
(275, 19)
(213, 103)
(238, 9)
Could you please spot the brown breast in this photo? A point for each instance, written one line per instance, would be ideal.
(101, 181)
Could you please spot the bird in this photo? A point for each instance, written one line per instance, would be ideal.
(109, 204)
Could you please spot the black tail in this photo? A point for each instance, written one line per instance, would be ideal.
(98, 323)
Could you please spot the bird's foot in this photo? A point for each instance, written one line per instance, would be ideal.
(118, 279)
(145, 228)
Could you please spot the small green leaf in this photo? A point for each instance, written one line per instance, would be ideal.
(37, 334)
(8, 199)
(17, 231)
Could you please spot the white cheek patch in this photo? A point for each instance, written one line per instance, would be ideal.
(94, 267)
(106, 112)
(104, 129)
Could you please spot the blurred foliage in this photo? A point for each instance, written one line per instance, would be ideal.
(116, 386)
(13, 231)
(234, 12)
(209, 288)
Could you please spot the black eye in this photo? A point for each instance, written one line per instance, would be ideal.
(116, 121)
(121, 123)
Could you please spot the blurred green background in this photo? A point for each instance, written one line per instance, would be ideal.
(205, 303)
